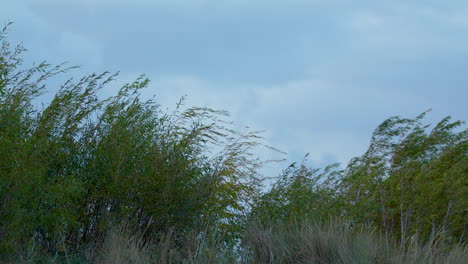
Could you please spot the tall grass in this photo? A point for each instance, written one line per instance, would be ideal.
(123, 246)
(287, 242)
(309, 242)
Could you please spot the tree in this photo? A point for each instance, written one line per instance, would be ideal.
(70, 171)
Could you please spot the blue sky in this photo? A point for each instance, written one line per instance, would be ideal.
(317, 75)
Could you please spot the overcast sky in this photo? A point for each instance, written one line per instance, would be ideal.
(317, 75)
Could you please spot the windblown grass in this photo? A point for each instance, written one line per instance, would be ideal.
(334, 243)
(292, 242)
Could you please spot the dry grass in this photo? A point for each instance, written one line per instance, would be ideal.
(300, 242)
(120, 247)
(306, 242)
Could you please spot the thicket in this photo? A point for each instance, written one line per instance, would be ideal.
(186, 182)
(411, 184)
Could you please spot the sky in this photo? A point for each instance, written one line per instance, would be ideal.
(317, 76)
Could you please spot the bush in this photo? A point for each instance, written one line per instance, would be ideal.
(82, 164)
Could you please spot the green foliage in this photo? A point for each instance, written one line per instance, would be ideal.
(301, 193)
(70, 171)
(411, 184)
(73, 170)
(412, 181)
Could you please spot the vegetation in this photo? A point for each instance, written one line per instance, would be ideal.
(86, 179)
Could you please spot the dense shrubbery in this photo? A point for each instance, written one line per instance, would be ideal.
(81, 164)
(78, 168)
(411, 184)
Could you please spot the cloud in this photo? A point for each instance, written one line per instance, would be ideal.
(321, 117)
(319, 76)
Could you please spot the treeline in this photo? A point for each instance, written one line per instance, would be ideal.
(73, 170)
